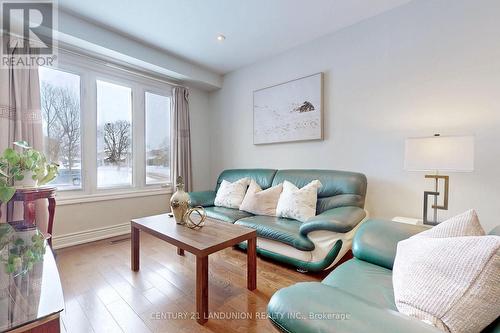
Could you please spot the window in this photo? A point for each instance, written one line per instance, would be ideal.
(157, 138)
(60, 101)
(108, 128)
(114, 135)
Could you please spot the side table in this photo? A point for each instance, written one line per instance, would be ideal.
(407, 220)
(29, 196)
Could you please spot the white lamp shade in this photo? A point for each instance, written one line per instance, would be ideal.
(440, 153)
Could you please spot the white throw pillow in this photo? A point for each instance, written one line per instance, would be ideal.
(298, 204)
(261, 202)
(231, 195)
(449, 275)
(465, 224)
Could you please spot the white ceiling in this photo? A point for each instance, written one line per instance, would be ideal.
(254, 29)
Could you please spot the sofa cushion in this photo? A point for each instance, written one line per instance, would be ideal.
(364, 280)
(230, 195)
(316, 307)
(465, 224)
(226, 214)
(298, 204)
(261, 202)
(340, 188)
(263, 177)
(278, 229)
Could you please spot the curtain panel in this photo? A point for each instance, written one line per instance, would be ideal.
(181, 137)
(21, 119)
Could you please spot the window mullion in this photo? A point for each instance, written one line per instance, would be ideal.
(139, 137)
(90, 134)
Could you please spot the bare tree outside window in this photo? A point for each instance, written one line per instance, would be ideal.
(60, 102)
(68, 117)
(116, 141)
(114, 135)
(49, 96)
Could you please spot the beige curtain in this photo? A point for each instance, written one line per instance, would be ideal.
(181, 137)
(20, 116)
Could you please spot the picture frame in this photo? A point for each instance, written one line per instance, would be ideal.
(289, 112)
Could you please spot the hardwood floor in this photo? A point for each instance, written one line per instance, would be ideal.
(102, 293)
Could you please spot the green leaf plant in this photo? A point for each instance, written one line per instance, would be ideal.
(15, 164)
(23, 254)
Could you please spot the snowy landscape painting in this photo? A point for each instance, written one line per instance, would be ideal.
(291, 111)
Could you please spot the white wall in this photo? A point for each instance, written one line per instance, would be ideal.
(83, 222)
(426, 67)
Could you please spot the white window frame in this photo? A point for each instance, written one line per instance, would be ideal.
(90, 70)
(126, 84)
(68, 68)
(156, 91)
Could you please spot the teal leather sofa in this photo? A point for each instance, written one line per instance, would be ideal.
(310, 246)
(358, 295)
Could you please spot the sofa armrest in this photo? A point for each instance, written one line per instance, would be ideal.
(340, 219)
(376, 240)
(202, 198)
(311, 307)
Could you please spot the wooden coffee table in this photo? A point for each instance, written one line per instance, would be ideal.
(213, 237)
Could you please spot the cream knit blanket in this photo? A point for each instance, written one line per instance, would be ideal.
(449, 276)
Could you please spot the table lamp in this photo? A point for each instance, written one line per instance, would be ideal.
(439, 154)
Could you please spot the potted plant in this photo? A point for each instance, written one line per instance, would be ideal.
(24, 168)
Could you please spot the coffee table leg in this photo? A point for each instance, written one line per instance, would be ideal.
(180, 251)
(135, 249)
(252, 263)
(202, 289)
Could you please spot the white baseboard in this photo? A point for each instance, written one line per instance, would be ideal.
(81, 237)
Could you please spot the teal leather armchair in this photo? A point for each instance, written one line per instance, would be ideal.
(358, 295)
(310, 246)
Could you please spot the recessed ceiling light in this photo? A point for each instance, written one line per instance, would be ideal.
(221, 38)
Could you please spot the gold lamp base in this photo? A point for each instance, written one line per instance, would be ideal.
(436, 194)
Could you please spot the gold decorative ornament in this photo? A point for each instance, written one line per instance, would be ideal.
(196, 224)
(179, 202)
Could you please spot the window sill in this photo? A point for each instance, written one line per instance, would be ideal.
(63, 200)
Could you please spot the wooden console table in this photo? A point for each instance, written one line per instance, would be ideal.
(29, 196)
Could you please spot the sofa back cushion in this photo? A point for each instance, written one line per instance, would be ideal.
(340, 188)
(261, 202)
(230, 195)
(298, 203)
(263, 177)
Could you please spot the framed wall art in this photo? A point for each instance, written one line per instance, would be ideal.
(290, 111)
